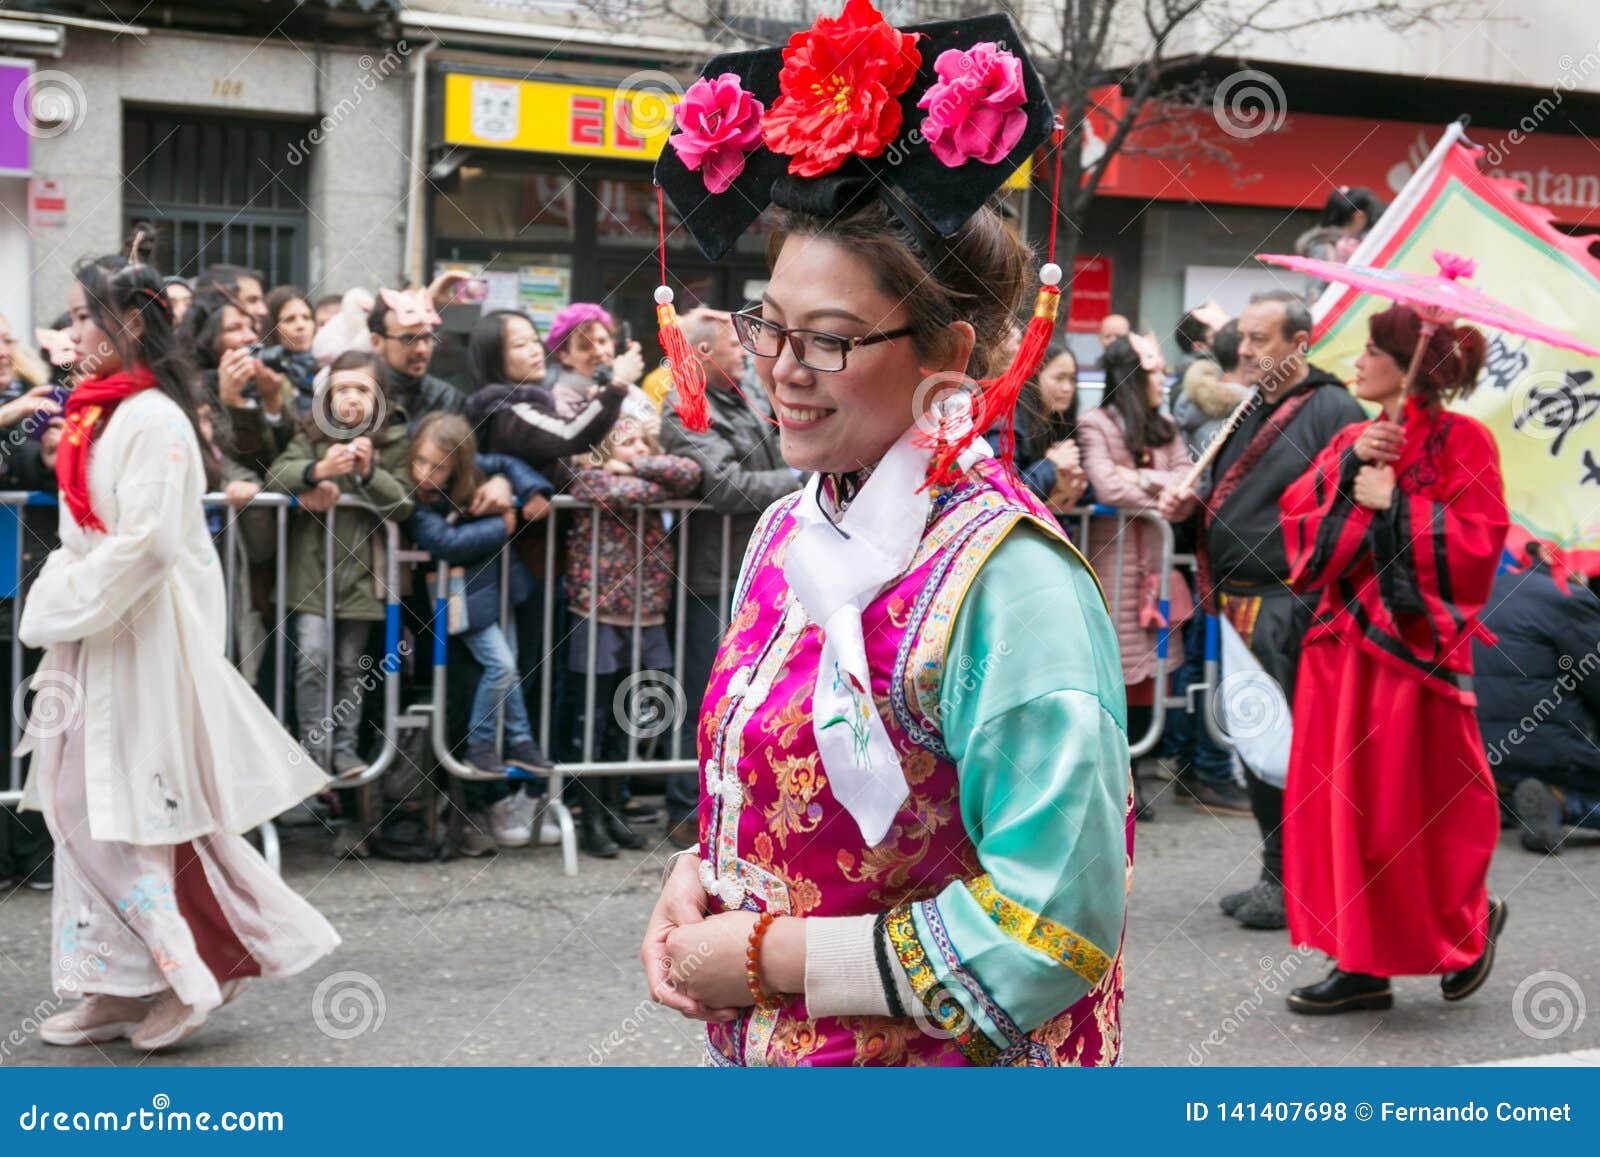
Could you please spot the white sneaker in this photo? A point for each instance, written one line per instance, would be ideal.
(168, 1022)
(476, 839)
(525, 808)
(95, 1018)
(549, 830)
(506, 823)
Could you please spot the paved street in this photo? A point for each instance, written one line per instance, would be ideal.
(505, 961)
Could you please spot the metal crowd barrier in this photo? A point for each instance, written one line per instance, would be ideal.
(433, 715)
(675, 761)
(281, 503)
(1161, 701)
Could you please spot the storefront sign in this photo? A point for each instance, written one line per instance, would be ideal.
(1297, 164)
(545, 117)
(47, 204)
(1091, 294)
(14, 120)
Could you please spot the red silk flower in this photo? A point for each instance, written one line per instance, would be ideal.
(839, 88)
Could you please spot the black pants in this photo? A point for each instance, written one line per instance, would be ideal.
(1276, 641)
(25, 845)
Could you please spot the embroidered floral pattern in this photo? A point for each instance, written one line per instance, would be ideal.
(795, 810)
(947, 1012)
(858, 718)
(757, 738)
(149, 895)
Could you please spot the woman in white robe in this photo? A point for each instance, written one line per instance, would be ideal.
(150, 754)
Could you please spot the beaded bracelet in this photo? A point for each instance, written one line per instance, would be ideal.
(752, 960)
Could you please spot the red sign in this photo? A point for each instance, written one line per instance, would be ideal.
(1091, 294)
(1297, 163)
(622, 115)
(586, 124)
(47, 203)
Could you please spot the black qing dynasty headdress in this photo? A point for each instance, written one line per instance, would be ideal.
(931, 119)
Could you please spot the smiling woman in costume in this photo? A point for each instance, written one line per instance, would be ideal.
(914, 837)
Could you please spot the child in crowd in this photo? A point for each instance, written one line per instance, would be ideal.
(446, 470)
(345, 446)
(633, 575)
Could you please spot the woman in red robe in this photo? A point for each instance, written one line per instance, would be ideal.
(1390, 813)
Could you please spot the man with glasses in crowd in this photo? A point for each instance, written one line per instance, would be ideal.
(408, 352)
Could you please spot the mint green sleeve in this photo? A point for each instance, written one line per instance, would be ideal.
(1033, 713)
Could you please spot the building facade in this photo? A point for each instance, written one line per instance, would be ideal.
(276, 144)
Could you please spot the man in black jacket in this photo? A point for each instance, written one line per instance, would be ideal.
(1538, 694)
(742, 472)
(1244, 567)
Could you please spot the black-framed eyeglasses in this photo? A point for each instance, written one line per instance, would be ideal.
(815, 349)
(412, 340)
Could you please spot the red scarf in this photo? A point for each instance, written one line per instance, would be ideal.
(89, 404)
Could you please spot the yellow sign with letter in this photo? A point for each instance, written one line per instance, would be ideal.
(540, 116)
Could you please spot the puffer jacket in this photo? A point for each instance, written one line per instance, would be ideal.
(1539, 685)
(1204, 403)
(525, 422)
(627, 563)
(1103, 449)
(455, 537)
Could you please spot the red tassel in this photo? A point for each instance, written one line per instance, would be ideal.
(688, 375)
(996, 399)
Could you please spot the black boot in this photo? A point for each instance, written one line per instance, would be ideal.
(594, 835)
(1342, 991)
(1143, 811)
(616, 826)
(1463, 983)
(1263, 908)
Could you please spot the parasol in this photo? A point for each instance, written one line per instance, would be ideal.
(1442, 298)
